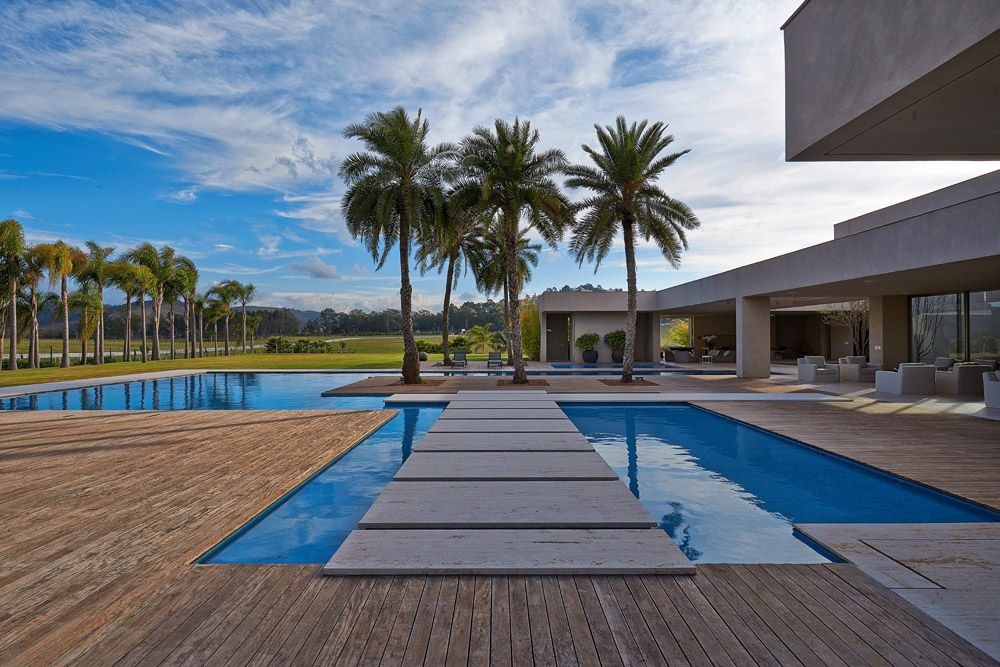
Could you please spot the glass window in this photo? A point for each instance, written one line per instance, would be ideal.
(984, 325)
(936, 327)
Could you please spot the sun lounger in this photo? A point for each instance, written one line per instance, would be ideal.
(495, 359)
(461, 358)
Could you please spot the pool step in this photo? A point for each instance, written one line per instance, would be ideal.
(505, 466)
(430, 552)
(522, 504)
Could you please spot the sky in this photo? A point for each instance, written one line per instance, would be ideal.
(216, 127)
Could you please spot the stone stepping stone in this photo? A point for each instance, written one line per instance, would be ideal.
(493, 413)
(504, 466)
(512, 395)
(497, 552)
(502, 405)
(451, 505)
(504, 442)
(563, 425)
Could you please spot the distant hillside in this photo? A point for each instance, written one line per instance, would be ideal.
(303, 315)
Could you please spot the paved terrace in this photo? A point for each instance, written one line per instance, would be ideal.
(105, 511)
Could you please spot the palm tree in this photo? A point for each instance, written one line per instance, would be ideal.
(626, 166)
(198, 306)
(61, 261)
(189, 276)
(215, 311)
(34, 268)
(490, 269)
(174, 290)
(451, 244)
(243, 293)
(513, 178)
(11, 260)
(163, 265)
(98, 270)
(130, 279)
(87, 300)
(224, 303)
(393, 191)
(480, 338)
(254, 320)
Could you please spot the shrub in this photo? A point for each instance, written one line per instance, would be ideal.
(531, 329)
(277, 345)
(615, 339)
(587, 341)
(458, 343)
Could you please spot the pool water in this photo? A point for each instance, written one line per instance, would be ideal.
(311, 522)
(727, 492)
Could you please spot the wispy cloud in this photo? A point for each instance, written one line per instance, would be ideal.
(314, 267)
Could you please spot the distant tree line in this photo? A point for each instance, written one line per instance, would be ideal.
(389, 321)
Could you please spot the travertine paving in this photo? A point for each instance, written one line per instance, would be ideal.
(504, 483)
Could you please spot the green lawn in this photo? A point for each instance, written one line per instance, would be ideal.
(367, 353)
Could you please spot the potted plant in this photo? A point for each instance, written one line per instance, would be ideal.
(588, 342)
(616, 341)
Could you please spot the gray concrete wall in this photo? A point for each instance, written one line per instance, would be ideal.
(599, 323)
(845, 58)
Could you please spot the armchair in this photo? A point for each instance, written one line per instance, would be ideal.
(909, 379)
(857, 369)
(814, 369)
(962, 378)
(991, 389)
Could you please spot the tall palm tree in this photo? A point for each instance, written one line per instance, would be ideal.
(128, 278)
(62, 261)
(173, 291)
(451, 243)
(198, 306)
(627, 164)
(98, 271)
(514, 179)
(216, 310)
(87, 300)
(34, 269)
(244, 293)
(393, 191)
(12, 249)
(189, 277)
(253, 321)
(163, 265)
(224, 305)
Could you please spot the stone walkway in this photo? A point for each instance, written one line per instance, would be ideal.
(504, 483)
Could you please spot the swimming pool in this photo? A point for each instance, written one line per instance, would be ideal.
(727, 492)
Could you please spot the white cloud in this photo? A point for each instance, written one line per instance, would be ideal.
(185, 196)
(315, 268)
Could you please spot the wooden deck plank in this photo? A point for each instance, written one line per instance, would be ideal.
(420, 632)
(520, 629)
(500, 639)
(579, 627)
(479, 635)
(444, 614)
(461, 622)
(538, 622)
(562, 637)
(402, 626)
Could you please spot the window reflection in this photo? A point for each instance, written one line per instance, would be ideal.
(936, 324)
(984, 325)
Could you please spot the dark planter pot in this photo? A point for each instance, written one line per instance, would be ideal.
(617, 356)
(590, 356)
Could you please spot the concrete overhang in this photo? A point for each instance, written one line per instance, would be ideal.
(893, 80)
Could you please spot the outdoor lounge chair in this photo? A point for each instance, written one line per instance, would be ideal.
(815, 369)
(987, 362)
(461, 358)
(857, 369)
(962, 378)
(942, 363)
(909, 379)
(991, 389)
(495, 359)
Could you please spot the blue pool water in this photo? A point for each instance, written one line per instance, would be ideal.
(727, 492)
(314, 519)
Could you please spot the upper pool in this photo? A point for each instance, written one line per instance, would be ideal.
(727, 492)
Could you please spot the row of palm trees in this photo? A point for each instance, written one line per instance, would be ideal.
(471, 205)
(145, 274)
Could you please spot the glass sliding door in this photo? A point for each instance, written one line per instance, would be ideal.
(984, 325)
(937, 327)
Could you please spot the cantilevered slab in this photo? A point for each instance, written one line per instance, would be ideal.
(493, 412)
(504, 466)
(563, 425)
(453, 505)
(503, 395)
(504, 442)
(420, 552)
(503, 405)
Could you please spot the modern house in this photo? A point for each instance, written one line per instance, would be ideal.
(892, 80)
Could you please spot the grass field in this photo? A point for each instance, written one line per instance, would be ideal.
(358, 344)
(363, 353)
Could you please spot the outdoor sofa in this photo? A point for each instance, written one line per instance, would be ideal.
(909, 379)
(941, 363)
(962, 378)
(857, 369)
(813, 368)
(991, 389)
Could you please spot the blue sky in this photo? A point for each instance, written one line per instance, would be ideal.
(215, 127)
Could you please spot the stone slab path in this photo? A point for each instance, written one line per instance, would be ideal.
(504, 483)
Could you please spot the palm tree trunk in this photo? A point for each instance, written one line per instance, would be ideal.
(444, 313)
(227, 335)
(144, 358)
(201, 333)
(12, 284)
(628, 360)
(411, 357)
(172, 349)
(215, 337)
(157, 308)
(83, 342)
(99, 341)
(65, 309)
(127, 348)
(33, 329)
(243, 327)
(513, 287)
(506, 320)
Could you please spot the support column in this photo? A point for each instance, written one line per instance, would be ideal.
(543, 349)
(888, 328)
(753, 337)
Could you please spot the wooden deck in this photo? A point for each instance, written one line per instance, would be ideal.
(103, 513)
